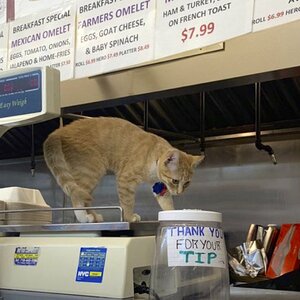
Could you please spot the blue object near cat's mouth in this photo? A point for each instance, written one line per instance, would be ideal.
(159, 189)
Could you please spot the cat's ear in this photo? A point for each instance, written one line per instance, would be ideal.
(171, 160)
(196, 160)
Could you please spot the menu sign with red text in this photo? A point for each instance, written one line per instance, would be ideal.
(270, 13)
(186, 25)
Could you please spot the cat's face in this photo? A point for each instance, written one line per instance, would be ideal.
(175, 170)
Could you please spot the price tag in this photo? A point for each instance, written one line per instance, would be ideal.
(270, 13)
(3, 46)
(183, 26)
(193, 32)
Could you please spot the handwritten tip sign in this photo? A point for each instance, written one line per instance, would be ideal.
(196, 246)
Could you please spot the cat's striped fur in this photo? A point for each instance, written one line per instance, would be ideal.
(81, 153)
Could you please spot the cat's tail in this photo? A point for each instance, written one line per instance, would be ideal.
(58, 166)
(56, 162)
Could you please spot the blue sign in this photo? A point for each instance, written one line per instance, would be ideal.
(21, 94)
(91, 264)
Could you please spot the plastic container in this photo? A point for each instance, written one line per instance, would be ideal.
(18, 198)
(190, 259)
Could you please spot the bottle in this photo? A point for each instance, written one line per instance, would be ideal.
(190, 260)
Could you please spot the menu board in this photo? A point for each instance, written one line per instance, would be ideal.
(44, 39)
(182, 26)
(270, 13)
(113, 35)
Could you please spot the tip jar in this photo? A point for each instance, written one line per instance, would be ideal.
(190, 260)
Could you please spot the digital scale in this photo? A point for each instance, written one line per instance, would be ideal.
(28, 96)
(64, 261)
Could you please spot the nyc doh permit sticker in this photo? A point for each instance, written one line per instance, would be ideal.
(26, 256)
(196, 246)
(91, 264)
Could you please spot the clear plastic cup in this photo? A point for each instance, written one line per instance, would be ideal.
(190, 259)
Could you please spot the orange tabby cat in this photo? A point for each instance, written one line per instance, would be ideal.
(81, 153)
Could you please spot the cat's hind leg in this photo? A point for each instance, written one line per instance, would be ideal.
(97, 217)
(86, 180)
(81, 199)
(126, 192)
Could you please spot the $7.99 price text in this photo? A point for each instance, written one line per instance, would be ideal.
(195, 32)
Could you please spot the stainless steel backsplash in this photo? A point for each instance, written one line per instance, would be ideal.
(238, 181)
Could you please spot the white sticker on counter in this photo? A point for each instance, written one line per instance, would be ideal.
(196, 246)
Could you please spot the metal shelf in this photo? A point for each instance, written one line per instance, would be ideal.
(72, 227)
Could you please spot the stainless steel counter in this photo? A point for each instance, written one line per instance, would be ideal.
(235, 294)
(257, 294)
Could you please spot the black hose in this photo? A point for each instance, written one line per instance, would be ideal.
(258, 143)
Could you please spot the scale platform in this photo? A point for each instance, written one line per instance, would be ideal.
(136, 229)
(114, 228)
(121, 227)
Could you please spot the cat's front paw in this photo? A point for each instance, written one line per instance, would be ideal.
(133, 218)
